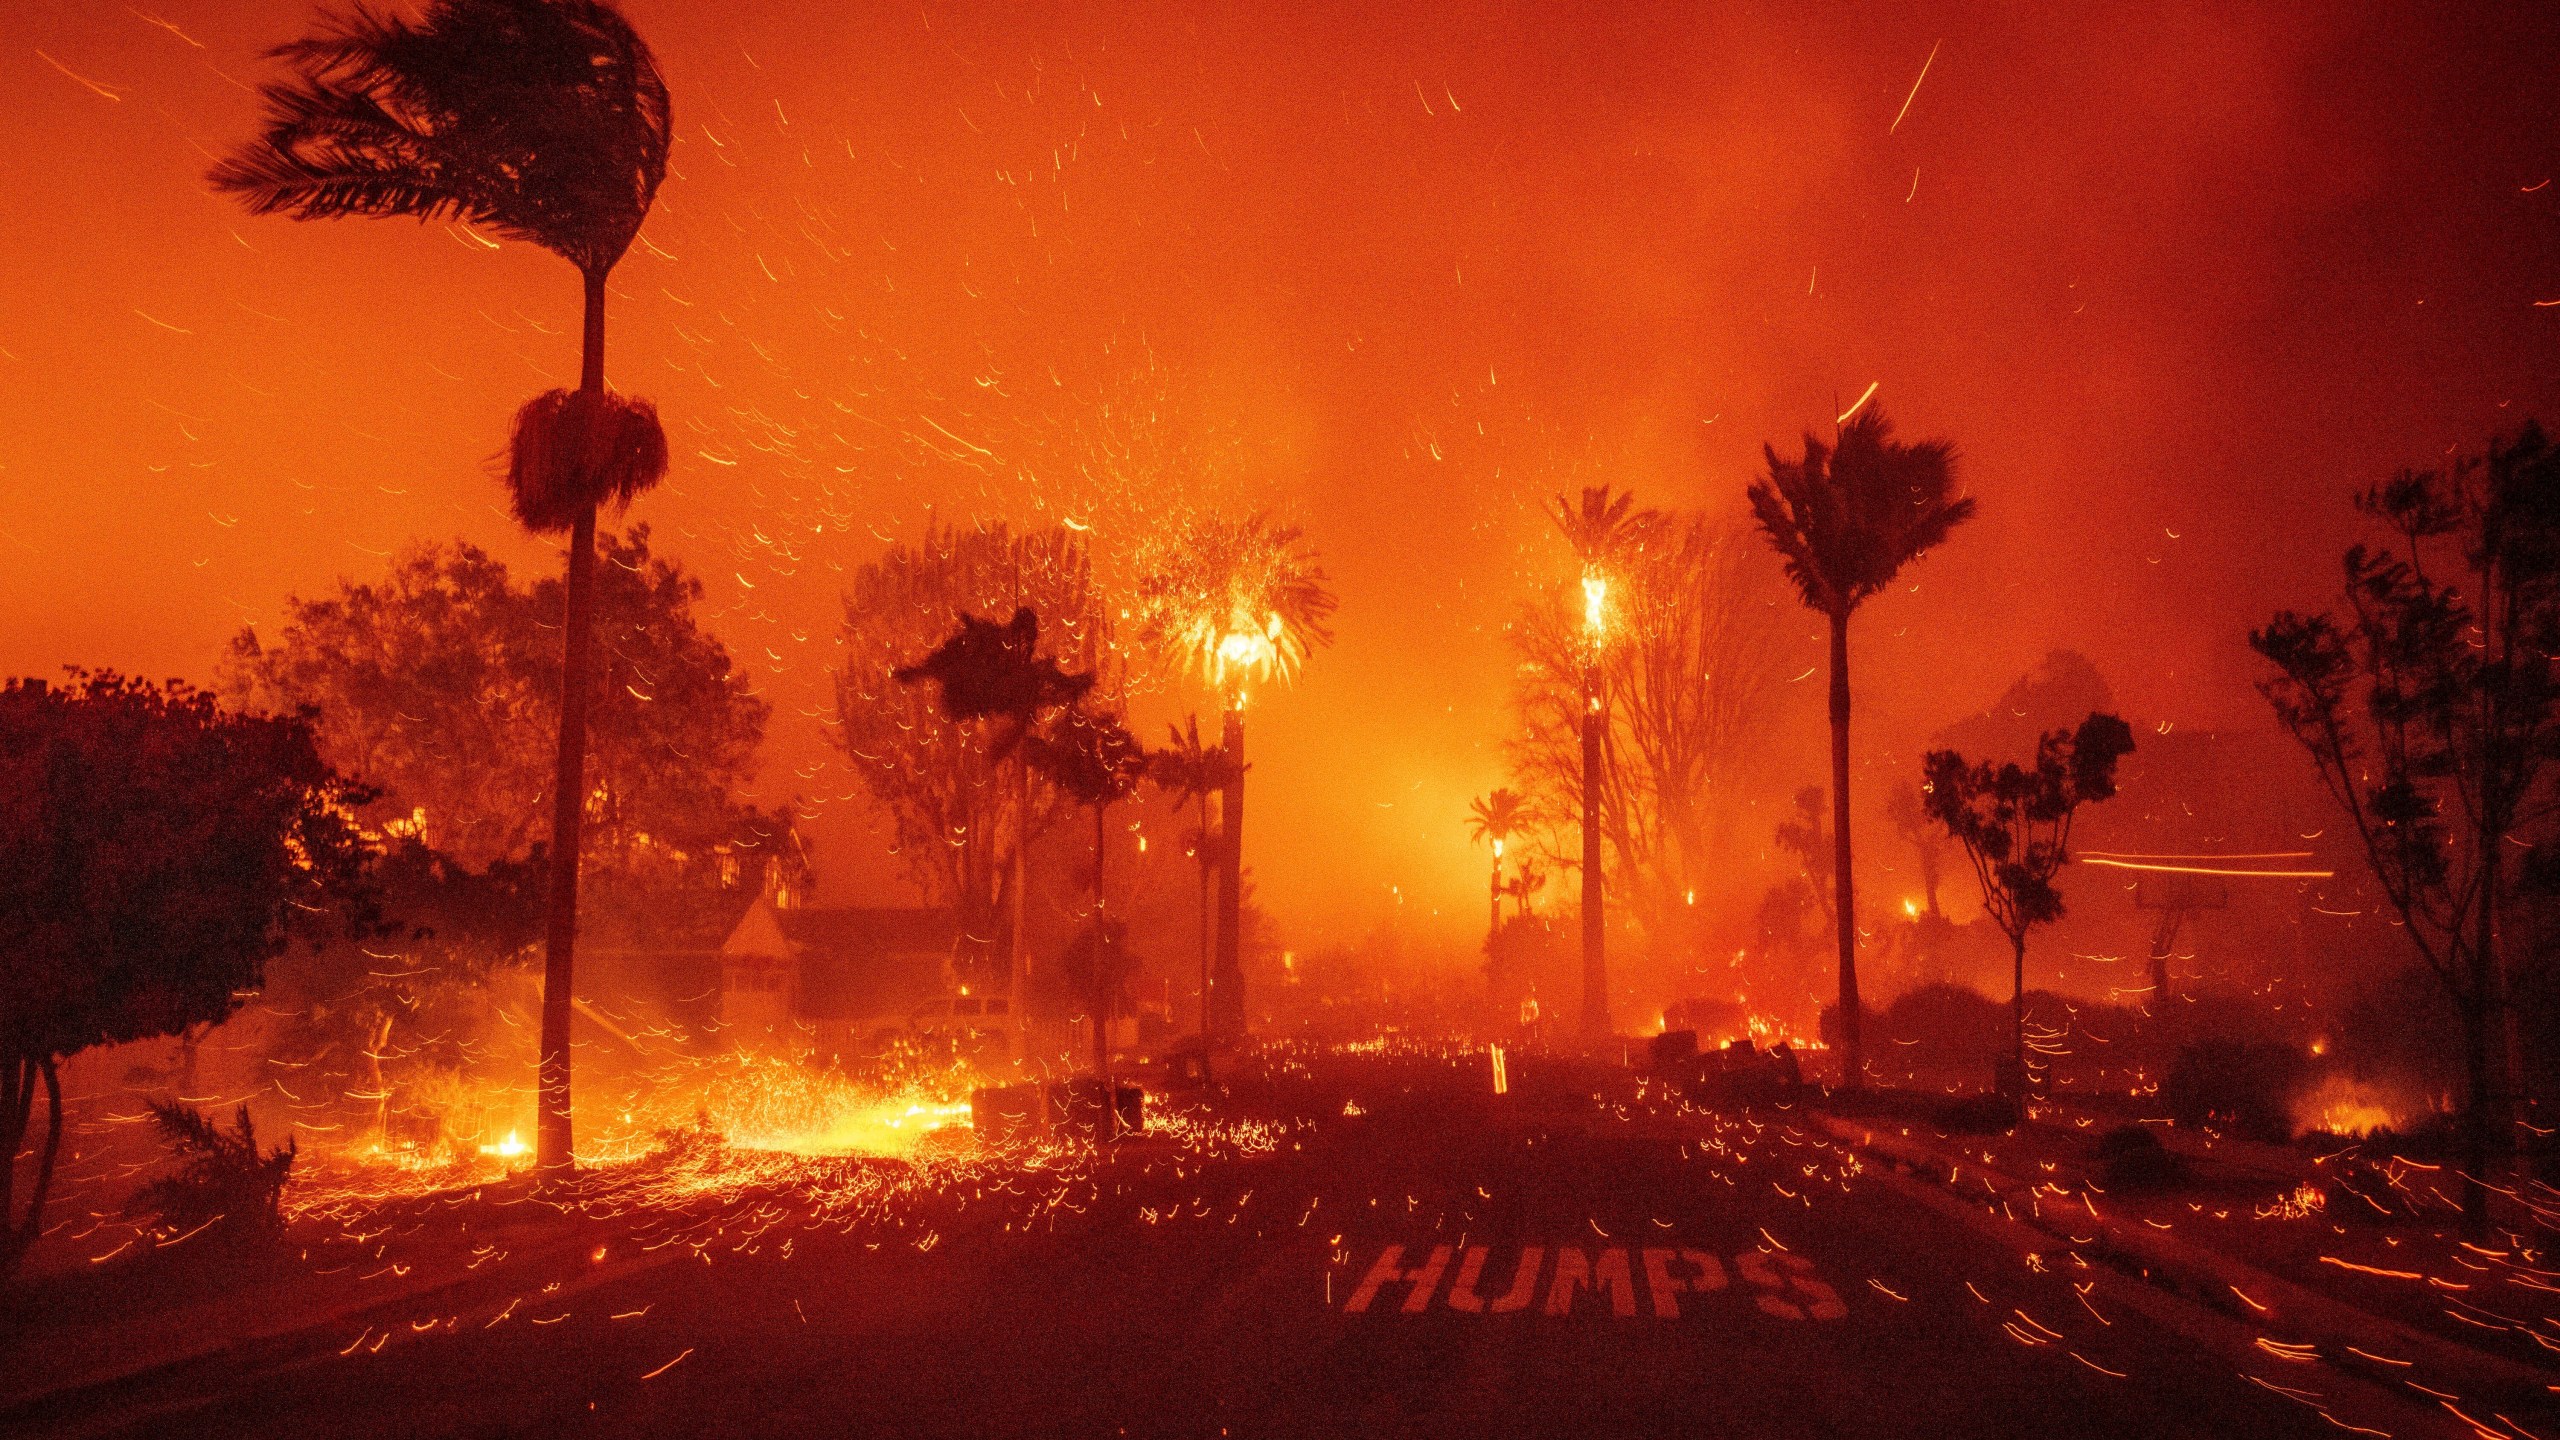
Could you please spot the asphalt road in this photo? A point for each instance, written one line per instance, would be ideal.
(1170, 1294)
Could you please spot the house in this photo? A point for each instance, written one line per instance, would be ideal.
(841, 980)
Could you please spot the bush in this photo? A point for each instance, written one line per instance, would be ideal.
(2130, 1157)
(2246, 1085)
(1979, 1115)
(226, 1184)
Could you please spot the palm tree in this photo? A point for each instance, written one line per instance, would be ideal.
(1236, 602)
(547, 122)
(1524, 887)
(1493, 819)
(1093, 759)
(1194, 772)
(1603, 531)
(993, 672)
(1846, 518)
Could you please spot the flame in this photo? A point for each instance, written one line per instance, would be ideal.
(1595, 603)
(2342, 1105)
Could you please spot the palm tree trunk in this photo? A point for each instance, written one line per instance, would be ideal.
(1595, 960)
(1493, 901)
(1844, 906)
(1018, 945)
(1205, 857)
(1228, 983)
(569, 792)
(1104, 995)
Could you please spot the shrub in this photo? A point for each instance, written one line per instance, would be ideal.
(2247, 1085)
(2130, 1157)
(226, 1183)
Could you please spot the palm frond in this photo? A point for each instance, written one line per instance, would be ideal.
(544, 120)
(1233, 599)
(575, 450)
(1846, 518)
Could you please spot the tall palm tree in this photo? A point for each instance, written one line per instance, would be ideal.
(1092, 758)
(1603, 530)
(1493, 819)
(1194, 772)
(547, 122)
(1236, 602)
(1846, 518)
(996, 673)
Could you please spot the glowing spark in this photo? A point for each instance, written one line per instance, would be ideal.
(2210, 870)
(83, 79)
(1915, 89)
(1844, 415)
(670, 1365)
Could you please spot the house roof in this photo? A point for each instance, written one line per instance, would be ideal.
(855, 962)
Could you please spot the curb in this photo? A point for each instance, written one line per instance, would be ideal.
(2215, 1280)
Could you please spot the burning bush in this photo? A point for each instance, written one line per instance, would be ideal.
(225, 1184)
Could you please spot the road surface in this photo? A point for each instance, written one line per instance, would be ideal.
(1410, 1255)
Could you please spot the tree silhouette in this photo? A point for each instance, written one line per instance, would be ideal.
(1192, 772)
(2432, 712)
(948, 799)
(1845, 518)
(1093, 759)
(156, 851)
(2014, 823)
(1806, 838)
(1492, 820)
(996, 674)
(546, 121)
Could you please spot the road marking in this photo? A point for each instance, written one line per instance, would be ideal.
(1781, 1285)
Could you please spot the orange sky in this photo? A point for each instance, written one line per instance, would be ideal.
(2174, 283)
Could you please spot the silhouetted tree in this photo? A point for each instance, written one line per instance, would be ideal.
(1493, 820)
(991, 673)
(156, 851)
(225, 1182)
(1193, 772)
(2432, 713)
(1094, 760)
(2014, 822)
(547, 121)
(1846, 518)
(1805, 837)
(948, 798)
(1910, 817)
(1236, 602)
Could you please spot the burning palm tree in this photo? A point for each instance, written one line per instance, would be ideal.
(1237, 603)
(1603, 531)
(547, 122)
(1846, 519)
(1493, 819)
